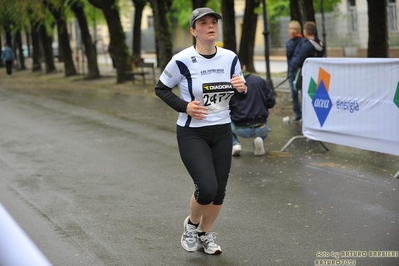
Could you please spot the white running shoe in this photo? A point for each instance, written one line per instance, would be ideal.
(207, 242)
(189, 237)
(259, 148)
(236, 149)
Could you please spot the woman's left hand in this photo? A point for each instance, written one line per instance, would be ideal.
(239, 84)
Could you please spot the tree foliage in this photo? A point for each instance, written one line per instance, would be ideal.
(281, 8)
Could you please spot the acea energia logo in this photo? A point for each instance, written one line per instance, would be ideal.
(318, 92)
(321, 100)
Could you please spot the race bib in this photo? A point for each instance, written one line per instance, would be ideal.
(217, 95)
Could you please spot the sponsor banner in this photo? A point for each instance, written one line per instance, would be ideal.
(16, 248)
(352, 102)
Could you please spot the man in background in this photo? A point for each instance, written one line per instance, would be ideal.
(293, 48)
(249, 116)
(312, 47)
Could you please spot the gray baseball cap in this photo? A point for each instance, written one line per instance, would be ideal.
(200, 12)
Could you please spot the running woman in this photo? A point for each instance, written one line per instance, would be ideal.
(207, 77)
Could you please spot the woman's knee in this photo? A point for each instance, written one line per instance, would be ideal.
(206, 194)
(219, 198)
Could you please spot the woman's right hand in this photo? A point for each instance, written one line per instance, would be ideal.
(196, 111)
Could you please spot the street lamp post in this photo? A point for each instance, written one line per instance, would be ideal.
(269, 81)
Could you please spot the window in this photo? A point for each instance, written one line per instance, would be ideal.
(392, 16)
(352, 14)
(150, 20)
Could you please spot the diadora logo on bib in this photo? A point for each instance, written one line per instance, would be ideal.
(217, 87)
(318, 92)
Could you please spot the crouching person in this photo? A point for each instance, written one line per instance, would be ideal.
(249, 117)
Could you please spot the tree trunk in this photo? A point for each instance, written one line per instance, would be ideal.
(18, 44)
(378, 31)
(136, 39)
(229, 28)
(47, 48)
(163, 37)
(247, 43)
(36, 51)
(199, 3)
(120, 50)
(8, 34)
(295, 13)
(28, 44)
(65, 51)
(302, 11)
(64, 47)
(309, 10)
(89, 51)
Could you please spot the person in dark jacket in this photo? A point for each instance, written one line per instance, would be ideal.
(7, 55)
(312, 47)
(249, 116)
(293, 47)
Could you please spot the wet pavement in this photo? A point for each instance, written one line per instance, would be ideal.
(94, 178)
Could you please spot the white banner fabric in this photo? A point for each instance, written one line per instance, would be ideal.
(352, 102)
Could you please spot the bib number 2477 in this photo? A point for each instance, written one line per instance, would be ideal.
(217, 95)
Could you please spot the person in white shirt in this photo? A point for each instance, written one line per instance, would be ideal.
(207, 77)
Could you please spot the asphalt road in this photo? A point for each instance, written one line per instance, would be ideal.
(94, 178)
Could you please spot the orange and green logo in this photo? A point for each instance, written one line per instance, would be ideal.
(318, 92)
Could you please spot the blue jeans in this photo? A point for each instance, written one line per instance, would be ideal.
(295, 96)
(249, 132)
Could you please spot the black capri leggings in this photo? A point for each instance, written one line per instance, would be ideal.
(206, 153)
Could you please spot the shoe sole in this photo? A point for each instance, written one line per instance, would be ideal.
(236, 153)
(202, 247)
(216, 252)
